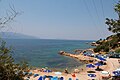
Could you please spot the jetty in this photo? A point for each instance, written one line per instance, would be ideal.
(80, 57)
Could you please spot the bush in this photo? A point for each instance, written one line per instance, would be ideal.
(117, 50)
(8, 69)
(101, 48)
(106, 49)
(98, 48)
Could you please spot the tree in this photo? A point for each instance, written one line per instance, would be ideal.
(9, 70)
(114, 24)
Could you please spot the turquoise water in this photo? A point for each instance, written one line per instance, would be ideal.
(43, 52)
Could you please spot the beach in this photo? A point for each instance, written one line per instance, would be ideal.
(45, 54)
(60, 40)
(111, 65)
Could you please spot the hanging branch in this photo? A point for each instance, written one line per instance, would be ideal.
(9, 17)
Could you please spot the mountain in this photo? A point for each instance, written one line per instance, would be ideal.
(12, 35)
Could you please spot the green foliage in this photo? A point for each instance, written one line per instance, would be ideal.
(117, 50)
(111, 42)
(114, 24)
(117, 8)
(106, 49)
(101, 48)
(97, 49)
(8, 69)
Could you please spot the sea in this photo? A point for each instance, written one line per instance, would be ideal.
(44, 52)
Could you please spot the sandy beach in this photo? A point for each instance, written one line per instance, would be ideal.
(111, 65)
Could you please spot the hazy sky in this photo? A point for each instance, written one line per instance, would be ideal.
(61, 19)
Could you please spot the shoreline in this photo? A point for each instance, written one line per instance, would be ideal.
(82, 74)
(71, 69)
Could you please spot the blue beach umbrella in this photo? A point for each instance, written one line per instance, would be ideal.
(54, 78)
(116, 73)
(47, 71)
(44, 77)
(90, 66)
(35, 75)
(57, 73)
(102, 59)
(98, 64)
(61, 78)
(40, 78)
(91, 75)
(70, 79)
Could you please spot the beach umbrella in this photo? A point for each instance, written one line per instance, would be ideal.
(117, 69)
(44, 77)
(105, 72)
(58, 73)
(98, 64)
(35, 75)
(90, 66)
(102, 59)
(61, 78)
(47, 71)
(40, 78)
(91, 75)
(70, 79)
(116, 73)
(54, 78)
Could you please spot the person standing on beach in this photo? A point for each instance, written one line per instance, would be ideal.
(74, 76)
(66, 71)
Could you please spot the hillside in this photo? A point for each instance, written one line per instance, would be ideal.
(12, 35)
(111, 43)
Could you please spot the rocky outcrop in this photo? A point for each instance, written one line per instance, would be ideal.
(80, 57)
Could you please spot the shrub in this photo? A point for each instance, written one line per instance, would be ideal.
(117, 50)
(8, 69)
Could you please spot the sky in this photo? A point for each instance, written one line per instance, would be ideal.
(60, 19)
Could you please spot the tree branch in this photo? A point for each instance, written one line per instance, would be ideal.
(9, 17)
